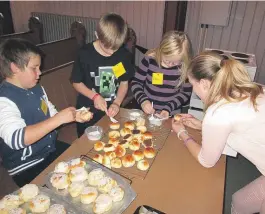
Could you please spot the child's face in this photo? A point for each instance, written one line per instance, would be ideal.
(30, 74)
(171, 61)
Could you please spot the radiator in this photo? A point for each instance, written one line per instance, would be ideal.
(56, 26)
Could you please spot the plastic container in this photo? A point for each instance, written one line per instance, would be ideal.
(134, 114)
(154, 120)
(94, 132)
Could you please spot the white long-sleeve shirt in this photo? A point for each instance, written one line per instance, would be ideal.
(239, 126)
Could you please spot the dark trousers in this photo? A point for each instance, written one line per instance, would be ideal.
(28, 175)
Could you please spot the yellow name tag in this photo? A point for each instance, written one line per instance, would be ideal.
(118, 70)
(157, 78)
(44, 107)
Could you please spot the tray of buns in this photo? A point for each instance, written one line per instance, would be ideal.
(129, 147)
(90, 187)
(35, 199)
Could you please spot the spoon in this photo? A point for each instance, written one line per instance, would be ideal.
(152, 116)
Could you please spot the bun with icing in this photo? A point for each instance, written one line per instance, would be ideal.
(89, 195)
(102, 204)
(76, 188)
(39, 204)
(78, 174)
(28, 192)
(56, 209)
(59, 180)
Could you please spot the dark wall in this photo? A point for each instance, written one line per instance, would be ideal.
(8, 22)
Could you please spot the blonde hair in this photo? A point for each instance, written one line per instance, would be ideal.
(173, 43)
(229, 79)
(112, 31)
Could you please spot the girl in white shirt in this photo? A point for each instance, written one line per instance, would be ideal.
(234, 116)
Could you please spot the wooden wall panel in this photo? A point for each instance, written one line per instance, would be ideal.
(245, 31)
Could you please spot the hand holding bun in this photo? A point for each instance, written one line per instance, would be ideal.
(177, 117)
(83, 115)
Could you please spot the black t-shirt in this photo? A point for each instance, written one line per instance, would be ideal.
(95, 71)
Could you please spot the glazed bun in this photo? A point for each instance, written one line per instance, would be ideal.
(116, 163)
(88, 195)
(39, 204)
(102, 204)
(11, 201)
(106, 162)
(124, 144)
(114, 126)
(110, 155)
(128, 137)
(143, 165)
(86, 115)
(138, 155)
(109, 148)
(129, 125)
(114, 141)
(94, 176)
(149, 152)
(142, 129)
(120, 151)
(56, 209)
(77, 162)
(28, 192)
(148, 143)
(17, 210)
(76, 188)
(98, 146)
(78, 174)
(98, 158)
(106, 184)
(140, 122)
(147, 135)
(59, 180)
(114, 134)
(125, 131)
(116, 193)
(62, 167)
(177, 117)
(128, 160)
(134, 145)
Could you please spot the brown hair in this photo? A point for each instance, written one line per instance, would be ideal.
(112, 31)
(174, 43)
(229, 79)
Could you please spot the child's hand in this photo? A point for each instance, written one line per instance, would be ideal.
(100, 103)
(83, 116)
(147, 107)
(190, 121)
(66, 116)
(163, 114)
(113, 110)
(177, 126)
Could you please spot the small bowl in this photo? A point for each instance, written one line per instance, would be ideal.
(134, 114)
(156, 121)
(94, 132)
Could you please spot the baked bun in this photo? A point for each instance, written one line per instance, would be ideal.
(114, 126)
(148, 143)
(116, 193)
(128, 137)
(109, 148)
(39, 204)
(124, 144)
(149, 152)
(120, 151)
(28, 192)
(116, 163)
(77, 162)
(11, 201)
(106, 162)
(128, 160)
(140, 122)
(102, 204)
(56, 209)
(106, 184)
(114, 134)
(138, 155)
(76, 188)
(143, 165)
(114, 141)
(129, 125)
(89, 195)
(98, 158)
(59, 180)
(110, 155)
(98, 146)
(17, 210)
(78, 174)
(177, 117)
(134, 145)
(142, 129)
(125, 131)
(62, 167)
(86, 115)
(94, 176)
(147, 135)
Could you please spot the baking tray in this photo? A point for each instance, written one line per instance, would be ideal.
(117, 208)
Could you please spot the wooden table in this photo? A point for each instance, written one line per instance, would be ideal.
(176, 182)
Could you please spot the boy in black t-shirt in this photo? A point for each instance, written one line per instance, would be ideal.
(102, 70)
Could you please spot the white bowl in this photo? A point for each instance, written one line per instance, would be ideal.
(94, 132)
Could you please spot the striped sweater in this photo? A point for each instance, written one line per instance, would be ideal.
(164, 97)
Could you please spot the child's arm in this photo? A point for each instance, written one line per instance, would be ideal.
(17, 135)
(180, 99)
(122, 91)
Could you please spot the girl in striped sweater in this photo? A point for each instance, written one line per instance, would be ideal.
(161, 77)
